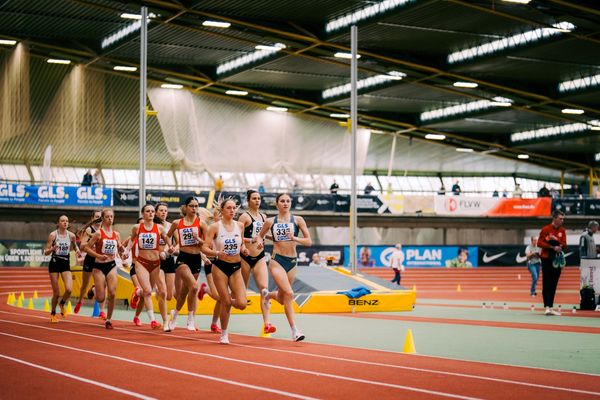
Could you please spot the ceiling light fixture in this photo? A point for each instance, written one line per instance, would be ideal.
(473, 106)
(434, 136)
(236, 92)
(277, 109)
(555, 131)
(581, 83)
(509, 42)
(131, 28)
(339, 115)
(8, 42)
(131, 16)
(523, 156)
(517, 1)
(367, 12)
(125, 68)
(575, 111)
(363, 84)
(597, 157)
(171, 86)
(216, 24)
(469, 85)
(464, 150)
(346, 56)
(57, 61)
(261, 52)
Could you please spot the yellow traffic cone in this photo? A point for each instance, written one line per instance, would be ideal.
(30, 304)
(11, 299)
(22, 296)
(458, 288)
(494, 289)
(35, 295)
(409, 343)
(69, 308)
(47, 306)
(20, 302)
(414, 288)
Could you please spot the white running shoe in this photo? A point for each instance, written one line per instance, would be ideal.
(298, 336)
(167, 326)
(191, 326)
(265, 298)
(224, 339)
(172, 323)
(554, 312)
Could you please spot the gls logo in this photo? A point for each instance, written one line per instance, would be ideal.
(9, 190)
(52, 192)
(90, 193)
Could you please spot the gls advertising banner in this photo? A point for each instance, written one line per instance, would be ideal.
(417, 256)
(13, 193)
(511, 256)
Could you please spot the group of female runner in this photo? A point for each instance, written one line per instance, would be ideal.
(167, 258)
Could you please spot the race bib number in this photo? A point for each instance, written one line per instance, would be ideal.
(282, 232)
(256, 228)
(230, 247)
(62, 249)
(109, 247)
(147, 241)
(187, 236)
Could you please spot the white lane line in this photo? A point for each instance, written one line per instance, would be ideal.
(208, 377)
(401, 367)
(235, 360)
(79, 378)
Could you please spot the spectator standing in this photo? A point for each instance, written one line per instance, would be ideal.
(543, 192)
(369, 188)
(576, 191)
(333, 189)
(397, 263)
(219, 184)
(552, 241)
(597, 194)
(534, 264)
(504, 193)
(518, 192)
(587, 245)
(456, 188)
(87, 178)
(495, 193)
(97, 179)
(261, 188)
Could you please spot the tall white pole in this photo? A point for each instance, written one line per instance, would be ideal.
(392, 152)
(353, 119)
(143, 77)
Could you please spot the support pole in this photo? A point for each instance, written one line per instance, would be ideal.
(354, 125)
(143, 78)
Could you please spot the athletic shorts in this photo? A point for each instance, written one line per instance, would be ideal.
(168, 265)
(288, 263)
(207, 269)
(106, 267)
(59, 265)
(88, 263)
(252, 260)
(132, 270)
(149, 265)
(193, 261)
(226, 267)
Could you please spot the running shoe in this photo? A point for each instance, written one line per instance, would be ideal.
(77, 307)
(53, 319)
(268, 328)
(63, 310)
(224, 339)
(155, 325)
(172, 323)
(136, 321)
(298, 336)
(166, 327)
(214, 328)
(134, 299)
(91, 293)
(264, 294)
(191, 326)
(108, 324)
(202, 291)
(102, 315)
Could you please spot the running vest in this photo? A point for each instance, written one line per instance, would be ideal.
(62, 245)
(187, 233)
(229, 243)
(281, 230)
(107, 245)
(251, 231)
(148, 239)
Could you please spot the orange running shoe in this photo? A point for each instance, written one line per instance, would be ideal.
(268, 328)
(102, 315)
(134, 299)
(214, 328)
(136, 321)
(155, 325)
(202, 291)
(77, 307)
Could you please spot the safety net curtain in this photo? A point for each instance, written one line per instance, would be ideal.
(209, 133)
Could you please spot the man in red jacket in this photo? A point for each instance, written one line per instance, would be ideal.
(552, 241)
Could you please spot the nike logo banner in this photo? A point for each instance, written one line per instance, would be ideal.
(513, 256)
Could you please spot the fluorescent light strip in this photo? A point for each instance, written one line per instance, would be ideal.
(277, 109)
(364, 13)
(216, 24)
(8, 42)
(363, 84)
(510, 41)
(57, 61)
(465, 84)
(517, 1)
(523, 156)
(236, 92)
(554, 131)
(263, 52)
(346, 56)
(575, 111)
(597, 157)
(464, 150)
(126, 31)
(131, 16)
(433, 136)
(125, 68)
(465, 108)
(171, 86)
(339, 115)
(581, 83)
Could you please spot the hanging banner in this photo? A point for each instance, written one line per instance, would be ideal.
(492, 206)
(512, 256)
(21, 253)
(174, 198)
(96, 196)
(417, 256)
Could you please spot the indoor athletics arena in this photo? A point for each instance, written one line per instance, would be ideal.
(318, 199)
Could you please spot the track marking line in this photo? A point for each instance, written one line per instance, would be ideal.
(208, 377)
(500, 380)
(235, 360)
(79, 378)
